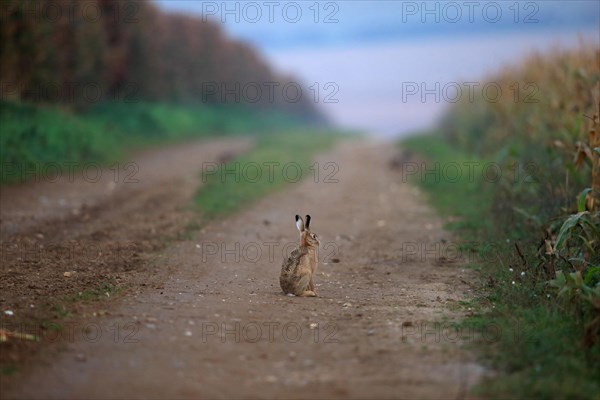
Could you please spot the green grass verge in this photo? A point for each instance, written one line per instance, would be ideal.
(35, 136)
(539, 352)
(276, 161)
(450, 191)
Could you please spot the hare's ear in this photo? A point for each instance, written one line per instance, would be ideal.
(307, 221)
(299, 223)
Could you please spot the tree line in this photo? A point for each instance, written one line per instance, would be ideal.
(77, 53)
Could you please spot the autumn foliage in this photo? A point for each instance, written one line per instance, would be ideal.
(81, 52)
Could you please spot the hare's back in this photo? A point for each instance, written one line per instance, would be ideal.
(290, 263)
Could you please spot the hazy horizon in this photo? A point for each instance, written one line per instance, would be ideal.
(368, 54)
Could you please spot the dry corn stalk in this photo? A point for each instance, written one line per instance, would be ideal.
(5, 335)
(593, 197)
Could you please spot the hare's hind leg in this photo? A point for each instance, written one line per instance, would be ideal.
(311, 285)
(302, 287)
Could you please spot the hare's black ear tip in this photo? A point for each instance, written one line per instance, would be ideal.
(297, 217)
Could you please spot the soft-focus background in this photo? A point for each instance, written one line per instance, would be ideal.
(121, 122)
(369, 49)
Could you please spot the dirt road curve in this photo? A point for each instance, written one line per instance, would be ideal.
(219, 326)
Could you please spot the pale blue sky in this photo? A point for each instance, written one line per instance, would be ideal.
(292, 24)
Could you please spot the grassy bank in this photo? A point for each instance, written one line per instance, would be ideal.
(276, 161)
(540, 351)
(531, 206)
(33, 136)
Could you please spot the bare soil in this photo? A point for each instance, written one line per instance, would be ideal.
(199, 314)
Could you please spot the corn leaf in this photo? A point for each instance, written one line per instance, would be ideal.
(566, 227)
(581, 199)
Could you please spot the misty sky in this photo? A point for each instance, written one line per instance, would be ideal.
(363, 60)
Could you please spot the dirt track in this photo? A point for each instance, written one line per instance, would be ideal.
(219, 326)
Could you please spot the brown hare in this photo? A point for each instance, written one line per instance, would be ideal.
(299, 268)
